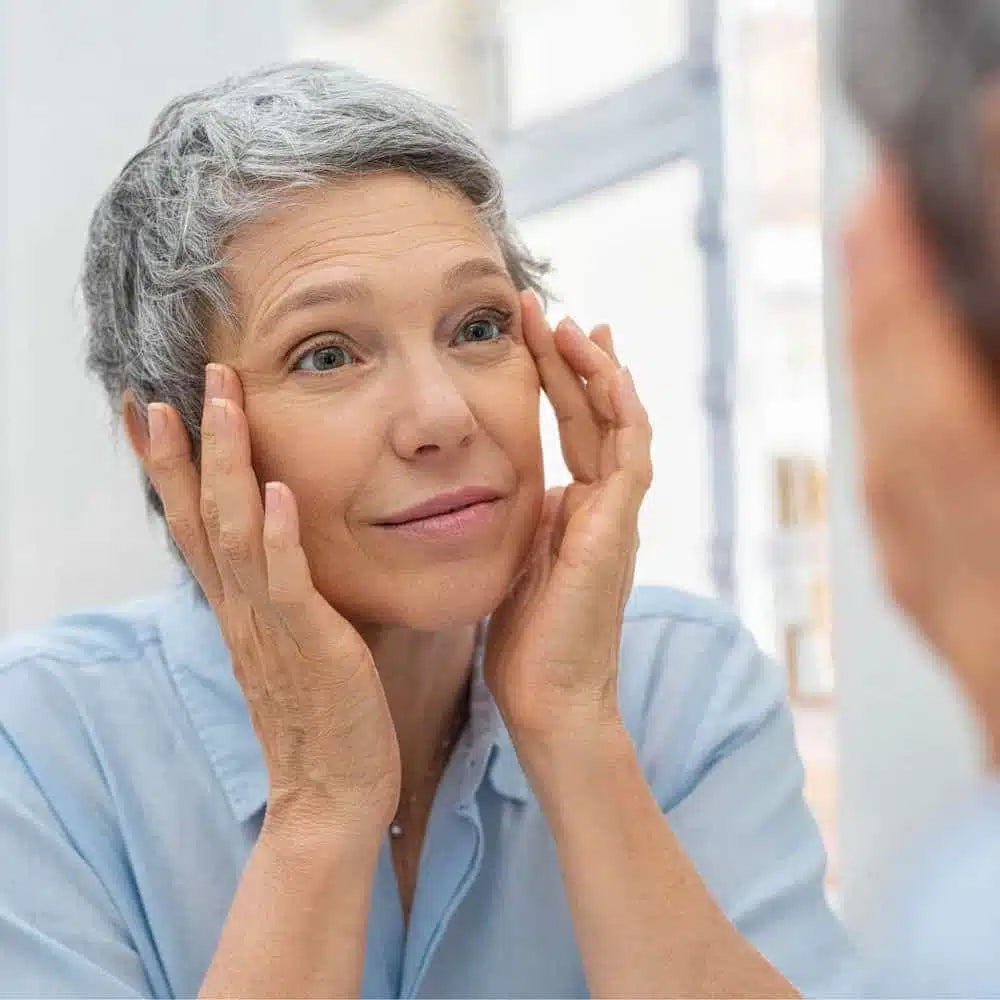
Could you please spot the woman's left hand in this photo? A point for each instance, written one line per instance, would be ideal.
(553, 645)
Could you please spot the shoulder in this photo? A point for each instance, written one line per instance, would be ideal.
(84, 639)
(693, 649)
(63, 681)
(694, 683)
(939, 929)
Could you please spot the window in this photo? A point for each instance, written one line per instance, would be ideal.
(627, 255)
(565, 55)
(665, 154)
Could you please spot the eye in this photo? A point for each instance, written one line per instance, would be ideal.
(325, 358)
(483, 329)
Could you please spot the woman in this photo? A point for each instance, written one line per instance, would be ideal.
(923, 273)
(232, 788)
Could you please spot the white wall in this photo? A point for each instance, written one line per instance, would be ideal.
(906, 742)
(431, 46)
(83, 82)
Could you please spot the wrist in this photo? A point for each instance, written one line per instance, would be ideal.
(299, 828)
(575, 752)
(547, 722)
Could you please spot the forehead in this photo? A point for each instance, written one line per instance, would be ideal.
(389, 221)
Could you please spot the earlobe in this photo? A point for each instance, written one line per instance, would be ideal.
(136, 427)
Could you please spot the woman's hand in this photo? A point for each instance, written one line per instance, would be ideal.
(553, 645)
(314, 695)
(930, 436)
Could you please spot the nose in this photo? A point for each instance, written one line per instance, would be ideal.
(432, 414)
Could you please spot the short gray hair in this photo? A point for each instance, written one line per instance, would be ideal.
(912, 71)
(222, 157)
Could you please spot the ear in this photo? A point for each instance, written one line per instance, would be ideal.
(136, 427)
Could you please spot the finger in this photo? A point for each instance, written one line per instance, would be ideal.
(579, 434)
(633, 437)
(590, 362)
(176, 480)
(601, 335)
(231, 501)
(290, 587)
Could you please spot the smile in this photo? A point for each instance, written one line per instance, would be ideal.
(460, 523)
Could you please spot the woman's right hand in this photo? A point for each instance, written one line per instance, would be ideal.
(310, 683)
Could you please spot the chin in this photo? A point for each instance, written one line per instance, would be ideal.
(435, 594)
(432, 599)
(450, 600)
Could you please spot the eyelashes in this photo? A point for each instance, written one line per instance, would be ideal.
(337, 351)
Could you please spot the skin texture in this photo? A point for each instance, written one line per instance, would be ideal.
(352, 645)
(929, 424)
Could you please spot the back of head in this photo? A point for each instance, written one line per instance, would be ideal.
(918, 73)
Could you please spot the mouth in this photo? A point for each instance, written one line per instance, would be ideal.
(442, 505)
(458, 518)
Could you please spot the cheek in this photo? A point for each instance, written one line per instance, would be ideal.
(314, 448)
(508, 411)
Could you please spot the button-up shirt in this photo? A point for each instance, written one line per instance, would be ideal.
(132, 789)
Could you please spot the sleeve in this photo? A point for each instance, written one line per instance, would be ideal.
(737, 805)
(60, 932)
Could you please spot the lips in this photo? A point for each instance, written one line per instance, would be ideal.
(443, 503)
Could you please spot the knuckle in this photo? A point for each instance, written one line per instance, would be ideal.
(234, 543)
(167, 466)
(210, 513)
(646, 476)
(180, 526)
(286, 596)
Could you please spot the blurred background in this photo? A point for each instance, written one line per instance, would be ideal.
(684, 164)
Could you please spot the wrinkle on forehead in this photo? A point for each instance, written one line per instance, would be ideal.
(362, 225)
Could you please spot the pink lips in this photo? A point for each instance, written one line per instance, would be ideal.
(443, 503)
(456, 517)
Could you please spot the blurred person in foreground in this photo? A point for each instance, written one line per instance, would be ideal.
(923, 261)
(403, 727)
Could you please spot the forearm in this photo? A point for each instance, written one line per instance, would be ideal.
(298, 922)
(646, 924)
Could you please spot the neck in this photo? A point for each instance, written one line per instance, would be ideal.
(425, 676)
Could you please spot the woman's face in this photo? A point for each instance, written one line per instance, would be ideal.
(382, 362)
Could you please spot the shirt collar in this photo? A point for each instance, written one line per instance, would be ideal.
(198, 660)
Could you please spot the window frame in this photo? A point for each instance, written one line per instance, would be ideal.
(672, 115)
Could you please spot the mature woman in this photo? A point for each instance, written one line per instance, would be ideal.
(924, 293)
(311, 769)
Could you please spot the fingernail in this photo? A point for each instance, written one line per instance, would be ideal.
(572, 325)
(213, 381)
(157, 418)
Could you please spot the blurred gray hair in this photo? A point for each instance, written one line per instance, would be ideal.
(914, 72)
(220, 158)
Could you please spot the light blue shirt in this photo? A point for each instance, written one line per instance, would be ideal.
(132, 789)
(941, 930)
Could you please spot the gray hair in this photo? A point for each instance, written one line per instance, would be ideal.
(913, 71)
(222, 157)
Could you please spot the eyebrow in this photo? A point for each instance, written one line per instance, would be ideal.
(473, 270)
(354, 290)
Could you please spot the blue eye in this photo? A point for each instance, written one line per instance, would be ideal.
(480, 331)
(327, 358)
